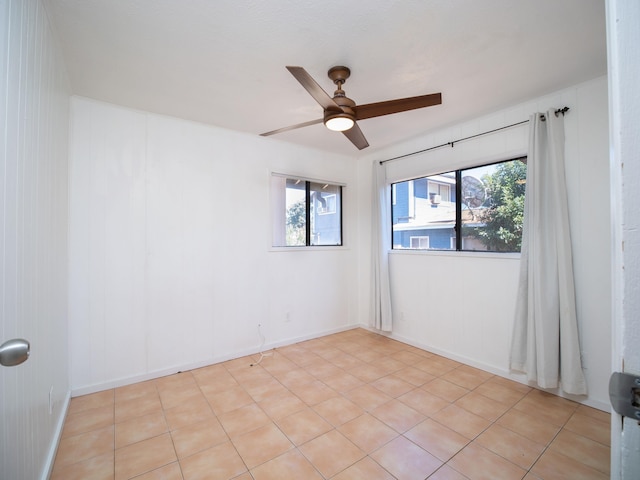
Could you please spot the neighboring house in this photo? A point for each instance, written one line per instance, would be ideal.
(326, 216)
(311, 212)
(424, 214)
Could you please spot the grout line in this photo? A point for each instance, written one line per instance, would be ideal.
(298, 354)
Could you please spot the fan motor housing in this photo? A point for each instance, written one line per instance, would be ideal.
(346, 104)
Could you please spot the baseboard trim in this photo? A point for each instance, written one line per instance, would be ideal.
(520, 378)
(501, 372)
(55, 441)
(121, 382)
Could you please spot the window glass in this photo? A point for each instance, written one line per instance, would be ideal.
(305, 213)
(296, 213)
(325, 214)
(424, 213)
(493, 206)
(427, 213)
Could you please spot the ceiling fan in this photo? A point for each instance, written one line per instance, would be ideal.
(341, 113)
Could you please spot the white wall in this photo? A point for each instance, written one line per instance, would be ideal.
(34, 102)
(170, 259)
(462, 304)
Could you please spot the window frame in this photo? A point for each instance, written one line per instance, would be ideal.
(278, 221)
(456, 242)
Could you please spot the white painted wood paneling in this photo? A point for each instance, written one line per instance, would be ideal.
(457, 304)
(109, 172)
(34, 102)
(462, 305)
(623, 36)
(170, 258)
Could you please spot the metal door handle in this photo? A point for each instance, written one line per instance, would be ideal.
(624, 393)
(14, 352)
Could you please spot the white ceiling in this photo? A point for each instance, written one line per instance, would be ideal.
(222, 62)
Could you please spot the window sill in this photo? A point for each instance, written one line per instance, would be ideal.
(319, 248)
(458, 254)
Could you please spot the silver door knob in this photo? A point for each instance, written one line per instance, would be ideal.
(14, 352)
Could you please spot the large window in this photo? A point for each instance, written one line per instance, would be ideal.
(477, 209)
(306, 212)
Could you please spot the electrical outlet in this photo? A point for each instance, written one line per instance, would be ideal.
(287, 317)
(51, 400)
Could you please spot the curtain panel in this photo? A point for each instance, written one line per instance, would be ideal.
(380, 246)
(545, 342)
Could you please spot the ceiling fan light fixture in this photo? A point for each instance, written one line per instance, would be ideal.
(341, 112)
(339, 122)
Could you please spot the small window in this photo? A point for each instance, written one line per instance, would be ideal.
(419, 242)
(485, 204)
(327, 203)
(306, 213)
(440, 191)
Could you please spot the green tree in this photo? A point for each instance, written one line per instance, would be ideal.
(296, 223)
(504, 208)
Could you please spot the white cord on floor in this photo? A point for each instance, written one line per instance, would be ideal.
(262, 355)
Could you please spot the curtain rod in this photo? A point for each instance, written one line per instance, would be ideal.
(562, 111)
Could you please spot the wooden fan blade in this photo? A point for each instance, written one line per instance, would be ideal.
(292, 127)
(356, 136)
(313, 88)
(378, 109)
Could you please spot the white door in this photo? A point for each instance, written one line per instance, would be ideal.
(623, 40)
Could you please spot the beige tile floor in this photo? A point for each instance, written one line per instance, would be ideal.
(349, 406)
